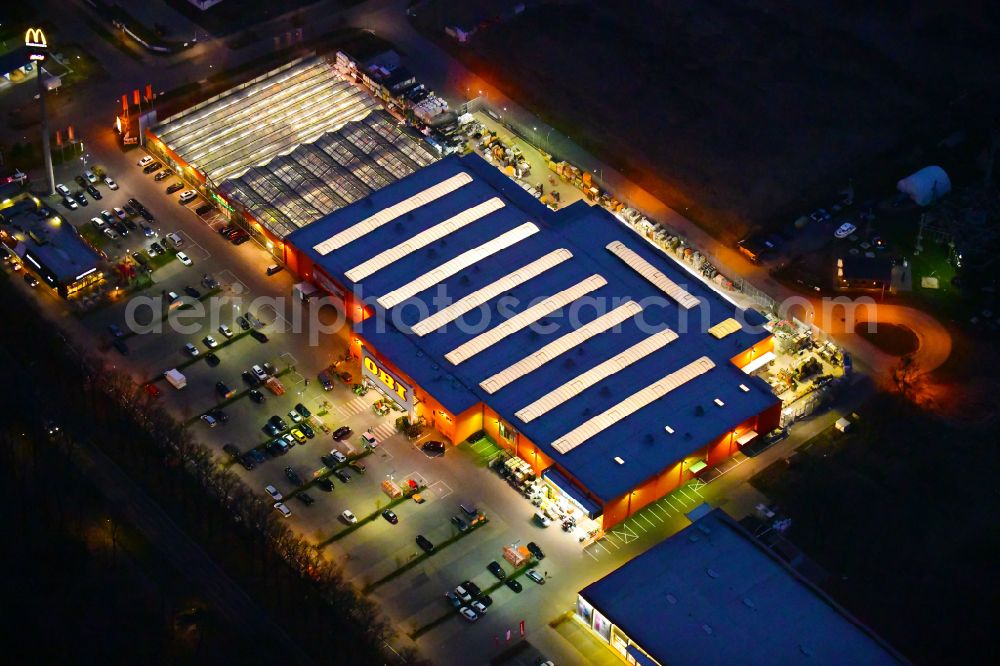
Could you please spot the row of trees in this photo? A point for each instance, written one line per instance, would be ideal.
(106, 406)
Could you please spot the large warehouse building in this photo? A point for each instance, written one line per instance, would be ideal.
(566, 337)
(711, 594)
(282, 150)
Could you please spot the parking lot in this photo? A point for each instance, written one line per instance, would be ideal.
(414, 600)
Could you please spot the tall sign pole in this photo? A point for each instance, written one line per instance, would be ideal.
(37, 45)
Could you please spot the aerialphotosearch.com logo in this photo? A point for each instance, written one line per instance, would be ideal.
(323, 316)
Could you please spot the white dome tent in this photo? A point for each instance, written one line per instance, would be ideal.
(925, 186)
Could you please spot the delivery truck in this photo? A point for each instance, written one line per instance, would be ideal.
(175, 378)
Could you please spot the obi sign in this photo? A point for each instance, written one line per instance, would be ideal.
(385, 380)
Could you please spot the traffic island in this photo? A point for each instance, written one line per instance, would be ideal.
(370, 517)
(424, 556)
(420, 631)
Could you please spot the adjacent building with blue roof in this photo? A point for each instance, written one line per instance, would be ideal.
(712, 594)
(572, 341)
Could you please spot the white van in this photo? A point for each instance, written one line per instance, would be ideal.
(174, 239)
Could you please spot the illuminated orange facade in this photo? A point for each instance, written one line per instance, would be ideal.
(458, 428)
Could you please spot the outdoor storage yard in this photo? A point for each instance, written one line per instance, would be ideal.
(806, 76)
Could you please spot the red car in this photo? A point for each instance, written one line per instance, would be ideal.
(152, 390)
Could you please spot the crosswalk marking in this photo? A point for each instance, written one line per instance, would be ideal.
(383, 431)
(355, 406)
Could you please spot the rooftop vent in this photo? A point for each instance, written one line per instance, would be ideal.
(719, 402)
(748, 602)
(619, 460)
(669, 430)
(707, 629)
(435, 367)
(744, 388)
(704, 529)
(420, 353)
(671, 599)
(712, 573)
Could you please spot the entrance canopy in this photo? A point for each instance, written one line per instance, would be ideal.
(566, 487)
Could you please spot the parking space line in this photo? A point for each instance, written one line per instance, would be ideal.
(652, 513)
(202, 255)
(695, 500)
(440, 495)
(636, 522)
(591, 554)
(611, 541)
(672, 505)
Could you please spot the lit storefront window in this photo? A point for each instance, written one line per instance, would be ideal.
(506, 431)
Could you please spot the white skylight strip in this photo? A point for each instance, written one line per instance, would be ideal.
(631, 404)
(423, 239)
(560, 346)
(390, 213)
(582, 382)
(506, 283)
(462, 261)
(654, 275)
(524, 319)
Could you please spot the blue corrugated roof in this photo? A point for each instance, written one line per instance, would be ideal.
(711, 595)
(640, 440)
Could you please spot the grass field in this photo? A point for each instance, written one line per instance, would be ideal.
(900, 511)
(734, 112)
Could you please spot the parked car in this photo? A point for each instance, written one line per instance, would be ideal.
(453, 599)
(342, 474)
(204, 208)
(535, 576)
(258, 336)
(94, 192)
(468, 613)
(273, 492)
(497, 570)
(226, 331)
(63, 190)
(258, 372)
(150, 168)
(248, 462)
(110, 182)
(223, 389)
(184, 259)
(187, 196)
(434, 447)
(294, 416)
(324, 484)
(256, 395)
(845, 230)
(348, 516)
(70, 202)
(325, 381)
(479, 607)
(390, 516)
(282, 509)
(459, 523)
(301, 409)
(298, 435)
(293, 476)
(209, 420)
(535, 551)
(192, 292)
(250, 379)
(329, 460)
(307, 430)
(212, 360)
(242, 322)
(81, 198)
(210, 342)
(232, 450)
(342, 433)
(513, 584)
(144, 161)
(148, 231)
(30, 280)
(166, 173)
(305, 498)
(191, 349)
(424, 543)
(278, 422)
(90, 176)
